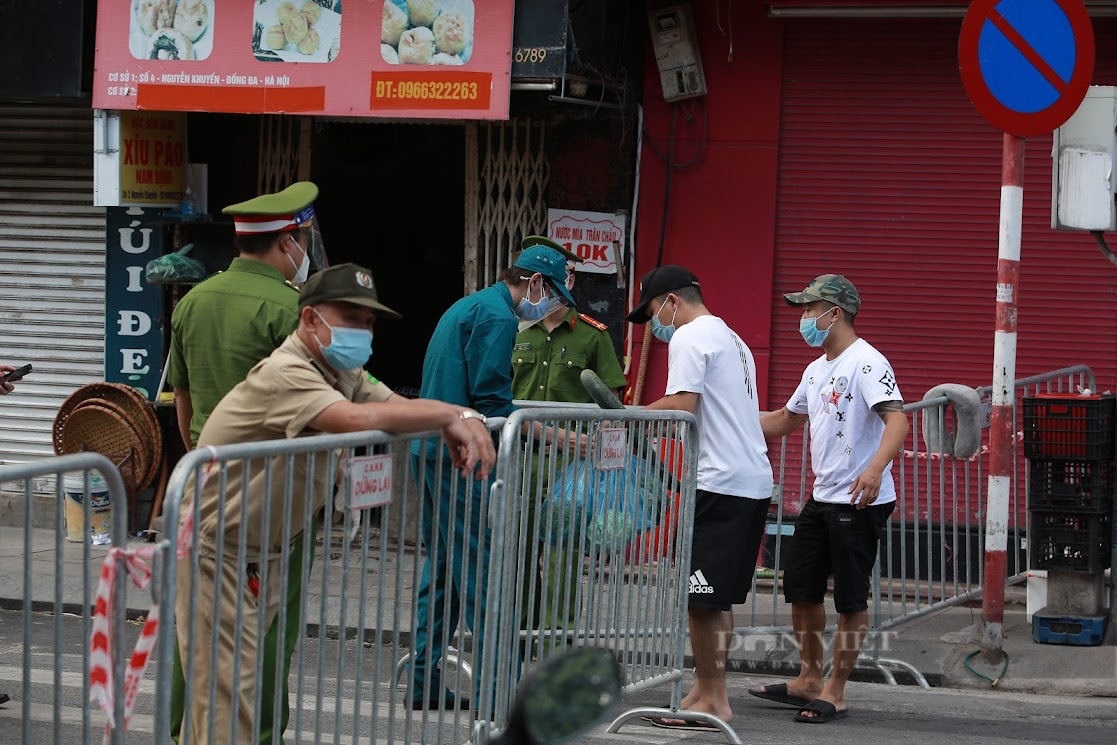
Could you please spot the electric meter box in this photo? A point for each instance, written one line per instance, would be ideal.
(675, 44)
(1083, 154)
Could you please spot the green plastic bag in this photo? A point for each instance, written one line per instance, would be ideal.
(176, 267)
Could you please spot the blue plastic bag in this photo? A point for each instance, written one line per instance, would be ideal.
(613, 507)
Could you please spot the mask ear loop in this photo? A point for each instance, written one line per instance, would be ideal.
(327, 325)
(674, 313)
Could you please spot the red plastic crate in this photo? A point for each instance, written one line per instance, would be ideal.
(1068, 426)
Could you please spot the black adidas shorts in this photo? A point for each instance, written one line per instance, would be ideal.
(835, 539)
(727, 535)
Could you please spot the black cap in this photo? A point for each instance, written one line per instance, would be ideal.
(660, 281)
(344, 283)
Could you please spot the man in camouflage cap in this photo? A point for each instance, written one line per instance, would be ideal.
(222, 328)
(833, 288)
(858, 426)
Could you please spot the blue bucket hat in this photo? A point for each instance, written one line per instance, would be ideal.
(548, 262)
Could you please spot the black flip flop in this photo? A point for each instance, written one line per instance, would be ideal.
(826, 711)
(692, 725)
(777, 692)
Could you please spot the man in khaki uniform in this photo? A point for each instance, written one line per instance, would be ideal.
(220, 330)
(314, 383)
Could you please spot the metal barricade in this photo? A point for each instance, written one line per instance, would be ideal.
(65, 585)
(348, 605)
(932, 554)
(579, 491)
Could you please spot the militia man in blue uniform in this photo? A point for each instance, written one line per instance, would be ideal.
(467, 364)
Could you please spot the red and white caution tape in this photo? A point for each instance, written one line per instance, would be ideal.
(936, 456)
(135, 561)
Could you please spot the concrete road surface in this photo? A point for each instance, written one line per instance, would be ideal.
(880, 715)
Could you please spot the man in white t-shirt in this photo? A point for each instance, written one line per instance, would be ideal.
(711, 373)
(858, 427)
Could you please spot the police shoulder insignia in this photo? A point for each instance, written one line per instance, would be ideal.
(593, 322)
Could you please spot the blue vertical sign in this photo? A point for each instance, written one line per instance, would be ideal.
(133, 307)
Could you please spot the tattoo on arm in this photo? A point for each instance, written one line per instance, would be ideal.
(884, 408)
(792, 416)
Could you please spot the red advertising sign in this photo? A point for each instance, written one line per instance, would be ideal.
(439, 59)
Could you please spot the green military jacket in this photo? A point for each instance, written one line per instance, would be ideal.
(223, 327)
(546, 365)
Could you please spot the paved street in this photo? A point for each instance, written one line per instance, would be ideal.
(881, 714)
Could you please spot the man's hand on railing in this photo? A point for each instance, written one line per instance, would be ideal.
(472, 444)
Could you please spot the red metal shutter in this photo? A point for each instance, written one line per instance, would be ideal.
(889, 176)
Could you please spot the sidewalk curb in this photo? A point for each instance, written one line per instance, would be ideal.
(13, 510)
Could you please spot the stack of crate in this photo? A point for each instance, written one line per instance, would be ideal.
(1069, 444)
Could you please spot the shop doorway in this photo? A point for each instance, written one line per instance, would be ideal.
(392, 200)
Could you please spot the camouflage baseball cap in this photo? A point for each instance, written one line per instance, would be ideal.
(833, 288)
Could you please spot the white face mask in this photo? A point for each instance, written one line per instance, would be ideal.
(302, 269)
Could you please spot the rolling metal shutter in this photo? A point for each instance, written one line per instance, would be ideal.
(52, 268)
(888, 175)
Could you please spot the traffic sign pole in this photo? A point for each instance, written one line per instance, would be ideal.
(1026, 65)
(1001, 439)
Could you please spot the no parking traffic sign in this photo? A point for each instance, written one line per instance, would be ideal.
(1026, 64)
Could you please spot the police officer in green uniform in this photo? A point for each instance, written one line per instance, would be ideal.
(547, 362)
(549, 356)
(219, 331)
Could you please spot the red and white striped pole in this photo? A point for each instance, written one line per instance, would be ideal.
(1004, 394)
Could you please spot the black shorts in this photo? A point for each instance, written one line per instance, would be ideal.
(727, 535)
(835, 539)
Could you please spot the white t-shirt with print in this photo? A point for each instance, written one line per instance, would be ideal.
(839, 396)
(706, 357)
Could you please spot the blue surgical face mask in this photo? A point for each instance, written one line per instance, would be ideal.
(812, 334)
(349, 348)
(661, 331)
(529, 311)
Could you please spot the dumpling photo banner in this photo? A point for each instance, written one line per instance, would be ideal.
(434, 59)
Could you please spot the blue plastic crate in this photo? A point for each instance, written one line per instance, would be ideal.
(1078, 631)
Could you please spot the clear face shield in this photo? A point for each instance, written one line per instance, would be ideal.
(551, 301)
(311, 236)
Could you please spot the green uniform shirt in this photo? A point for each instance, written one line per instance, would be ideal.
(223, 327)
(546, 365)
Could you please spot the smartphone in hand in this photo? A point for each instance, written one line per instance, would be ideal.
(15, 375)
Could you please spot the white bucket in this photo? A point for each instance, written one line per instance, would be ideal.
(1037, 591)
(100, 517)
